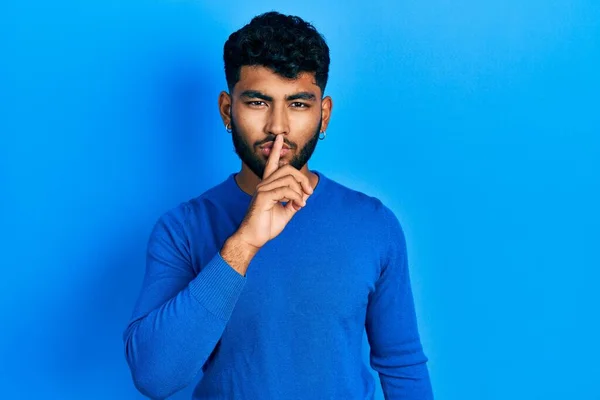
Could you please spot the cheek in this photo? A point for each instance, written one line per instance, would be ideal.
(306, 121)
(252, 124)
(249, 126)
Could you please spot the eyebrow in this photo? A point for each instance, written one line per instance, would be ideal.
(255, 94)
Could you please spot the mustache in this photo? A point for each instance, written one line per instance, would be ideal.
(272, 139)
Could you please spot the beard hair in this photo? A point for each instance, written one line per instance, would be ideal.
(257, 164)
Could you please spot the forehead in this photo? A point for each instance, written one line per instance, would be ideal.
(268, 82)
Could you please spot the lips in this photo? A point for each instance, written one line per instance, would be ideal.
(266, 151)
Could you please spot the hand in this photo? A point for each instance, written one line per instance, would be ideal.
(266, 216)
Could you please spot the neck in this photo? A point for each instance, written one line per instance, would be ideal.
(247, 180)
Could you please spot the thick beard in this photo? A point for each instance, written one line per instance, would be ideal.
(257, 164)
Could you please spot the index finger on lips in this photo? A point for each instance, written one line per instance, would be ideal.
(273, 161)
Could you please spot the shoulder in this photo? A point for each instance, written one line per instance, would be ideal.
(357, 199)
(192, 210)
(366, 205)
(369, 213)
(378, 224)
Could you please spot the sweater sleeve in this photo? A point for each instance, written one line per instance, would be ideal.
(179, 316)
(391, 325)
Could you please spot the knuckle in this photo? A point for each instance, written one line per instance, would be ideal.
(295, 184)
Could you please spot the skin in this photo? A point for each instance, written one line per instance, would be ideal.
(256, 120)
(268, 107)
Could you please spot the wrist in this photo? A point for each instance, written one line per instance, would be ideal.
(238, 253)
(237, 240)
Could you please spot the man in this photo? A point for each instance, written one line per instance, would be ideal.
(263, 285)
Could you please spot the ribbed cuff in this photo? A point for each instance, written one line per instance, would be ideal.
(218, 287)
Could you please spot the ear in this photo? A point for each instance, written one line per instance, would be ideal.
(225, 107)
(326, 107)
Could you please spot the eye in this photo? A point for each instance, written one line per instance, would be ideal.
(255, 103)
(298, 104)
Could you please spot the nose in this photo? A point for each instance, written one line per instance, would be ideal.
(278, 122)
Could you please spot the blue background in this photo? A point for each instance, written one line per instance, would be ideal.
(476, 122)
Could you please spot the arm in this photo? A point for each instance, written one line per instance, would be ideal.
(179, 317)
(391, 325)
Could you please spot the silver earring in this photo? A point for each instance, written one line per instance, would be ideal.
(228, 129)
(322, 137)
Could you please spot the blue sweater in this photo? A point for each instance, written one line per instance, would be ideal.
(292, 327)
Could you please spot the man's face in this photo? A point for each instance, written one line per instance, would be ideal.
(265, 105)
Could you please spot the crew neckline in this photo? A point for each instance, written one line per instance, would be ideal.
(235, 188)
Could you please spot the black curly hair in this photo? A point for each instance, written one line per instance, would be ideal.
(286, 44)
